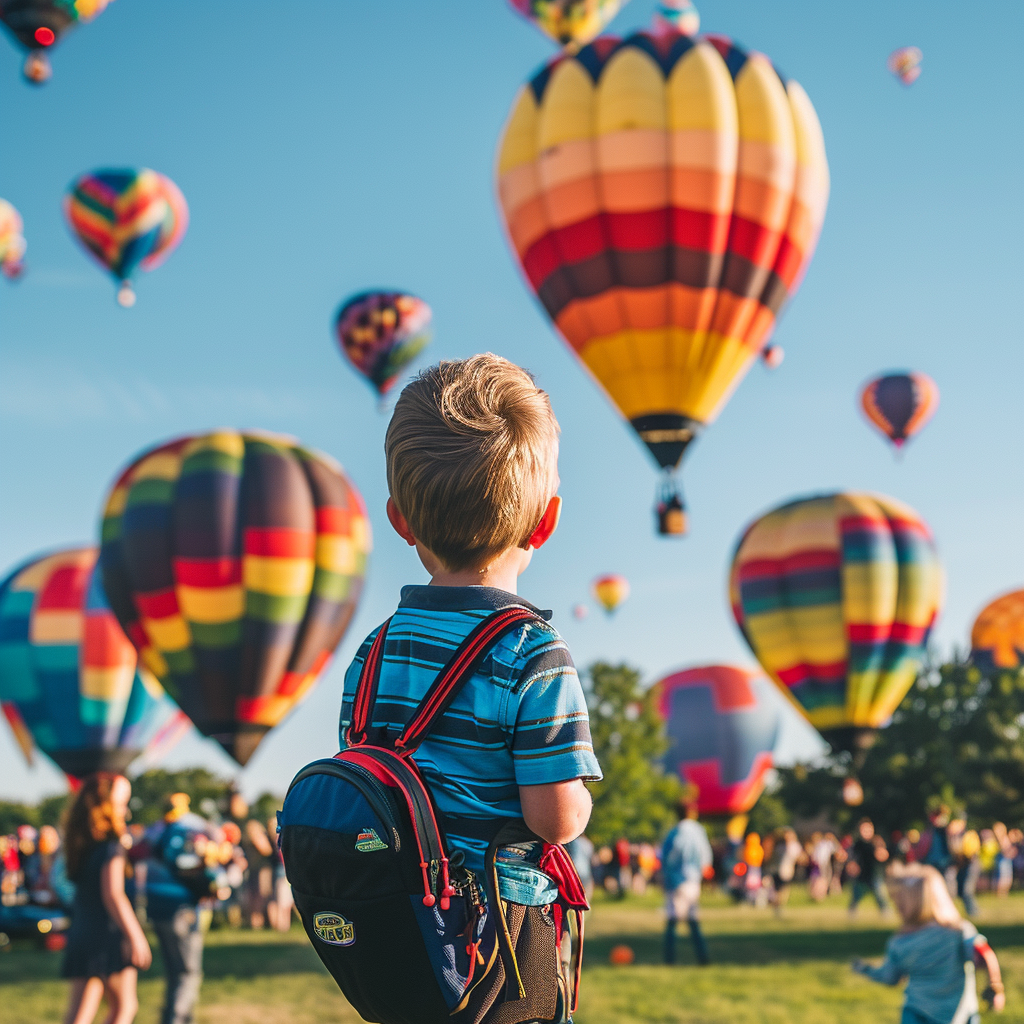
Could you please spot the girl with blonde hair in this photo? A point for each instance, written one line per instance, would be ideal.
(106, 944)
(935, 950)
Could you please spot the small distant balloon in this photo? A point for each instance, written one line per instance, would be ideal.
(571, 23)
(679, 15)
(997, 639)
(12, 241)
(580, 612)
(905, 64)
(900, 404)
(610, 591)
(380, 333)
(772, 356)
(126, 219)
(38, 25)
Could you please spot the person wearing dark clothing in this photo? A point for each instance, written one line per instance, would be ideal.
(106, 944)
(867, 855)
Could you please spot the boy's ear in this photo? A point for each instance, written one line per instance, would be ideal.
(397, 520)
(548, 523)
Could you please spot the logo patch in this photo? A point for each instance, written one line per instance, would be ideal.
(367, 841)
(333, 929)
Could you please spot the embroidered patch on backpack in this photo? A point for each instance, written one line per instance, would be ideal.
(367, 841)
(334, 929)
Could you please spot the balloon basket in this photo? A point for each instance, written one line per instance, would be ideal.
(670, 513)
(125, 296)
(37, 69)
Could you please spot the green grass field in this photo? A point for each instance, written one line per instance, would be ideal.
(765, 970)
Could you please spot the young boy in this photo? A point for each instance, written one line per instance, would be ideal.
(472, 464)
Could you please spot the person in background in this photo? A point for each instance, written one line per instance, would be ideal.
(1004, 862)
(279, 909)
(106, 945)
(968, 871)
(823, 848)
(936, 951)
(624, 860)
(934, 846)
(581, 849)
(175, 908)
(787, 853)
(753, 858)
(867, 855)
(46, 872)
(258, 888)
(988, 854)
(685, 858)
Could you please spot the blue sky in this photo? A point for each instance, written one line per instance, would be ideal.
(325, 147)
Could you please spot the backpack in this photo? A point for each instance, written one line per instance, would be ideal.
(410, 935)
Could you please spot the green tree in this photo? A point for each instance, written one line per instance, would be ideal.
(265, 806)
(956, 738)
(151, 789)
(636, 798)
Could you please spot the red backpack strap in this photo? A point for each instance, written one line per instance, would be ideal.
(366, 692)
(456, 673)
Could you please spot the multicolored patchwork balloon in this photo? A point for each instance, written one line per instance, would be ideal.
(381, 333)
(39, 24)
(905, 64)
(610, 591)
(12, 241)
(234, 561)
(663, 196)
(997, 639)
(722, 725)
(69, 682)
(571, 23)
(127, 219)
(678, 15)
(836, 596)
(900, 404)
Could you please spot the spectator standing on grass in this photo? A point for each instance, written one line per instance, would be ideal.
(1004, 861)
(279, 909)
(787, 854)
(685, 859)
(968, 871)
(936, 951)
(867, 855)
(106, 945)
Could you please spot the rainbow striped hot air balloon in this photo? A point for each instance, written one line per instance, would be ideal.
(722, 726)
(900, 404)
(663, 196)
(836, 596)
(234, 562)
(127, 219)
(12, 241)
(997, 638)
(69, 683)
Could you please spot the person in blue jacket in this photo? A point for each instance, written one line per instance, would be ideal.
(685, 857)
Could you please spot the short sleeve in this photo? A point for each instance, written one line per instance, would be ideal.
(548, 719)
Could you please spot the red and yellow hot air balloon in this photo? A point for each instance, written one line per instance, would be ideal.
(610, 591)
(234, 561)
(12, 241)
(997, 638)
(663, 195)
(836, 596)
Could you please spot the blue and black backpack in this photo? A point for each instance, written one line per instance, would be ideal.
(410, 935)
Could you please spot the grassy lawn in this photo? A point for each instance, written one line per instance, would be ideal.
(766, 970)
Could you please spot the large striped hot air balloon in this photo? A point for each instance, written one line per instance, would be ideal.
(234, 561)
(38, 25)
(900, 404)
(12, 241)
(69, 682)
(664, 196)
(997, 637)
(836, 596)
(722, 726)
(127, 219)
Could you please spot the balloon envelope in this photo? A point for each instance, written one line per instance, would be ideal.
(722, 724)
(380, 333)
(68, 674)
(905, 64)
(836, 596)
(900, 404)
(39, 24)
(997, 639)
(12, 240)
(663, 196)
(569, 22)
(234, 562)
(127, 219)
(610, 591)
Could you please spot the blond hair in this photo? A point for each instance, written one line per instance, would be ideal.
(472, 458)
(920, 896)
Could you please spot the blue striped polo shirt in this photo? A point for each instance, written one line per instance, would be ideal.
(521, 720)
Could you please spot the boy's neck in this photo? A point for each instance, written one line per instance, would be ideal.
(502, 572)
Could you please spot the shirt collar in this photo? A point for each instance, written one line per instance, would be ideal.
(463, 599)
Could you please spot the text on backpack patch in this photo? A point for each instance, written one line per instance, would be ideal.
(334, 929)
(367, 841)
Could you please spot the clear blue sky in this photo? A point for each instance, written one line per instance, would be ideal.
(325, 147)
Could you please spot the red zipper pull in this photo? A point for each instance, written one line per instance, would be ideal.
(447, 892)
(428, 896)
